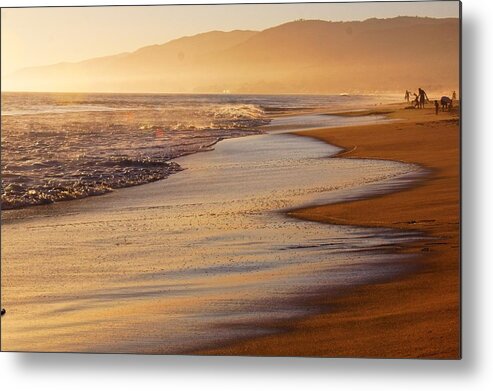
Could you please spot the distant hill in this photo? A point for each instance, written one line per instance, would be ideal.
(312, 56)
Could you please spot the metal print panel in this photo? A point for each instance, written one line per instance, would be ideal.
(262, 179)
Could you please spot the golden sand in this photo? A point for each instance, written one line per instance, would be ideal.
(418, 314)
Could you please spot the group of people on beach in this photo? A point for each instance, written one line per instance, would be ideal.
(421, 98)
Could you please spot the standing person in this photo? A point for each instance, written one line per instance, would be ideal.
(422, 98)
(436, 107)
(454, 96)
(406, 97)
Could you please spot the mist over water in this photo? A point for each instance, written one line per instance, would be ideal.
(67, 146)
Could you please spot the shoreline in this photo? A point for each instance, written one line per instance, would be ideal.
(317, 305)
(32, 208)
(10, 215)
(134, 251)
(382, 318)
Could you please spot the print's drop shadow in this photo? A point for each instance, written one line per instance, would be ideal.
(471, 181)
(391, 369)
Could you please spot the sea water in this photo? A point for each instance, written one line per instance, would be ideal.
(58, 147)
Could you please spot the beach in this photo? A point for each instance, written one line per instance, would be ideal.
(417, 314)
(274, 244)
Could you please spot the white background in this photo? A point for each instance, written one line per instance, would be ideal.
(474, 372)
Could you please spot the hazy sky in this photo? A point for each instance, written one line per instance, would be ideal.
(39, 36)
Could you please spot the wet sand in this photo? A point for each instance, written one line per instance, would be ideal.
(212, 254)
(417, 314)
(205, 257)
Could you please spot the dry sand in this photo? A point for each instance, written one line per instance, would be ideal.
(417, 315)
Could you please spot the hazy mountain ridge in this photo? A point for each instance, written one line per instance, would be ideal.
(302, 56)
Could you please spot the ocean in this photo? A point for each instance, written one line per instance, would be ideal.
(61, 146)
